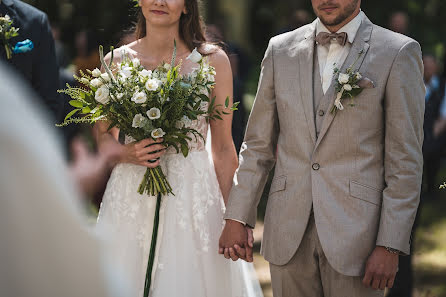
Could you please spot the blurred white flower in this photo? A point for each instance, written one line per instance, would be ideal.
(119, 96)
(102, 95)
(358, 76)
(167, 66)
(96, 83)
(126, 71)
(105, 77)
(152, 84)
(136, 62)
(158, 133)
(146, 73)
(347, 87)
(96, 72)
(195, 56)
(343, 78)
(85, 81)
(139, 97)
(154, 113)
(138, 121)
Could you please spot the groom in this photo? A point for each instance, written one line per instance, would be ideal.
(347, 183)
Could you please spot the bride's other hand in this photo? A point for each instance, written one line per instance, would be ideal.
(146, 152)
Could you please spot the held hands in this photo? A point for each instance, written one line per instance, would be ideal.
(236, 242)
(381, 269)
(144, 152)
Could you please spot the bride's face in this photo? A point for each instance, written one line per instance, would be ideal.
(163, 12)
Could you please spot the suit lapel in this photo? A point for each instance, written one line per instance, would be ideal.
(359, 49)
(305, 53)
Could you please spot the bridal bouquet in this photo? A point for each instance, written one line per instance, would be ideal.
(144, 104)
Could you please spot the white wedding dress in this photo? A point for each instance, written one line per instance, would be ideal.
(187, 263)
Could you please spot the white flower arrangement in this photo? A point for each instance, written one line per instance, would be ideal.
(349, 85)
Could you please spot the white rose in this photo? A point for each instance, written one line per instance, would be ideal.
(105, 77)
(139, 97)
(343, 78)
(102, 95)
(96, 72)
(158, 133)
(154, 113)
(96, 83)
(136, 62)
(152, 84)
(146, 73)
(138, 121)
(347, 87)
(195, 56)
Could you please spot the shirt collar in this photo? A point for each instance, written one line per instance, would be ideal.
(350, 28)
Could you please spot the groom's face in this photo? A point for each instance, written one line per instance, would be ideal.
(334, 12)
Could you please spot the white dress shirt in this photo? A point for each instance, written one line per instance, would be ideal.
(333, 54)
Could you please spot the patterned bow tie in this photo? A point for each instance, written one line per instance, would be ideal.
(324, 38)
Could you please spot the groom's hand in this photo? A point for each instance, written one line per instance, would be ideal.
(381, 269)
(234, 233)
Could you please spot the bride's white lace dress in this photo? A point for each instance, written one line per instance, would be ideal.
(187, 263)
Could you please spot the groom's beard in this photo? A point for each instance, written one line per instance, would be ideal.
(345, 14)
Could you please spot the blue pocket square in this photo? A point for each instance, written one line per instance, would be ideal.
(23, 46)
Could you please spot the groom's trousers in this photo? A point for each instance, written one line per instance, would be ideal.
(309, 274)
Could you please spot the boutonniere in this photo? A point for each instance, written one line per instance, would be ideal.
(8, 31)
(348, 85)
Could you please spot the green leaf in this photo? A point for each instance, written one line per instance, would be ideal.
(86, 110)
(69, 115)
(227, 102)
(184, 150)
(76, 103)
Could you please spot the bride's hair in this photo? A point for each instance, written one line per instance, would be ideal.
(191, 26)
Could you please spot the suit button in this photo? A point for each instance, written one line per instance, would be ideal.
(316, 166)
(321, 113)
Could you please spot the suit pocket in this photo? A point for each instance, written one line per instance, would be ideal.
(365, 193)
(278, 184)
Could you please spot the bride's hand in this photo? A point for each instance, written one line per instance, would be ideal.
(144, 152)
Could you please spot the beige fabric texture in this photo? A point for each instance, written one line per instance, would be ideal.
(309, 274)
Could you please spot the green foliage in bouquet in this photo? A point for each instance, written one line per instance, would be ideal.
(142, 103)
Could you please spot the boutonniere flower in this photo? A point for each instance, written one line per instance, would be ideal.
(348, 85)
(8, 31)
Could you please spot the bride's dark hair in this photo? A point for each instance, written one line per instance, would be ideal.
(191, 26)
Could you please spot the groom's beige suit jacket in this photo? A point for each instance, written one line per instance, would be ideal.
(361, 174)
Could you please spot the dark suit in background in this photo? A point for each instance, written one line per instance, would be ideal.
(39, 66)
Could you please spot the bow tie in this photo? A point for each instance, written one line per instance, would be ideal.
(324, 38)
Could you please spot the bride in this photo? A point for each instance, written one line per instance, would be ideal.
(186, 260)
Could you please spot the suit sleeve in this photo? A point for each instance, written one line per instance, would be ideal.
(403, 162)
(257, 156)
(45, 76)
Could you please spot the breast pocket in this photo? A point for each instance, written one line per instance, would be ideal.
(365, 193)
